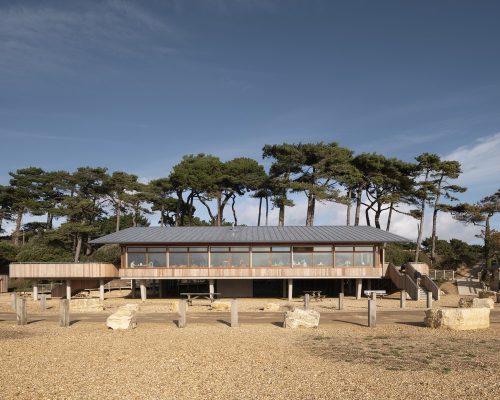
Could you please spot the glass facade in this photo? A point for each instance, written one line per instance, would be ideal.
(261, 256)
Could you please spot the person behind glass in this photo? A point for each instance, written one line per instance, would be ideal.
(418, 277)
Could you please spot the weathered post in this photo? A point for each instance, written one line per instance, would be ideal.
(64, 313)
(68, 289)
(372, 311)
(13, 301)
(429, 299)
(21, 316)
(133, 288)
(290, 289)
(143, 290)
(234, 313)
(359, 288)
(341, 300)
(43, 301)
(35, 291)
(306, 301)
(402, 299)
(211, 289)
(101, 289)
(182, 314)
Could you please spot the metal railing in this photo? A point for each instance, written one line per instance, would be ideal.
(444, 274)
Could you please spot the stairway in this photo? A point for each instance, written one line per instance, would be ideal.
(422, 293)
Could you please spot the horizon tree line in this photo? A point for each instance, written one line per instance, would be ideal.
(323, 172)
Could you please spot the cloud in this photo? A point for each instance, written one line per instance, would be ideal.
(480, 164)
(45, 38)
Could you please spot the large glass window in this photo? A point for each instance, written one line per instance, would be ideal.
(136, 260)
(323, 259)
(302, 256)
(354, 256)
(230, 256)
(198, 259)
(157, 259)
(363, 259)
(261, 259)
(177, 260)
(343, 259)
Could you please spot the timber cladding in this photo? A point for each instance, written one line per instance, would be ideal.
(270, 273)
(63, 270)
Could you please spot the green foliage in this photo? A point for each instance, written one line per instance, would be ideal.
(399, 254)
(109, 253)
(454, 253)
(8, 254)
(44, 248)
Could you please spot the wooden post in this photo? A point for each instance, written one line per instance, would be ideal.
(402, 299)
(143, 291)
(21, 316)
(101, 289)
(359, 288)
(306, 301)
(290, 289)
(133, 288)
(68, 289)
(211, 289)
(429, 299)
(43, 302)
(35, 291)
(182, 314)
(13, 301)
(372, 311)
(234, 313)
(341, 300)
(64, 313)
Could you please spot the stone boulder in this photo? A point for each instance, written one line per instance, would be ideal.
(488, 294)
(131, 306)
(85, 305)
(271, 307)
(122, 319)
(458, 319)
(465, 302)
(219, 305)
(485, 302)
(301, 318)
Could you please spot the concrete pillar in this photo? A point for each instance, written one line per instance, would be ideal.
(43, 302)
(143, 290)
(306, 301)
(429, 299)
(290, 289)
(101, 289)
(35, 291)
(402, 299)
(359, 288)
(211, 288)
(64, 313)
(372, 311)
(341, 301)
(182, 313)
(234, 313)
(21, 316)
(68, 289)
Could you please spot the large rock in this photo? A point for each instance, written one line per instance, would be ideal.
(122, 319)
(219, 305)
(458, 319)
(485, 302)
(131, 306)
(488, 294)
(85, 305)
(465, 302)
(301, 318)
(271, 307)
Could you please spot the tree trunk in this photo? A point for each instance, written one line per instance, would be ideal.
(281, 218)
(311, 202)
(213, 219)
(17, 232)
(389, 217)
(420, 230)
(267, 210)
(48, 224)
(260, 211)
(434, 225)
(190, 211)
(234, 210)
(117, 212)
(220, 210)
(78, 247)
(162, 219)
(367, 216)
(359, 193)
(178, 218)
(377, 215)
(487, 243)
(349, 207)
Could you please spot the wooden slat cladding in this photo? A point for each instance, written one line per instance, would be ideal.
(63, 270)
(257, 273)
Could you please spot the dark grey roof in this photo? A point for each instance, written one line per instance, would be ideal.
(251, 234)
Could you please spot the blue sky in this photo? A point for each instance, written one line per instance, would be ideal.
(135, 85)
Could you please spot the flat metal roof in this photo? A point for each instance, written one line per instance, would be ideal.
(250, 234)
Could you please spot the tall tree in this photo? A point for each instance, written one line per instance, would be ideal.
(117, 187)
(445, 171)
(6, 202)
(480, 214)
(160, 195)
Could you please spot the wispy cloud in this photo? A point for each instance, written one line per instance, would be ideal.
(45, 38)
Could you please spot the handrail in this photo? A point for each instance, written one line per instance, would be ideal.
(411, 288)
(431, 286)
(403, 281)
